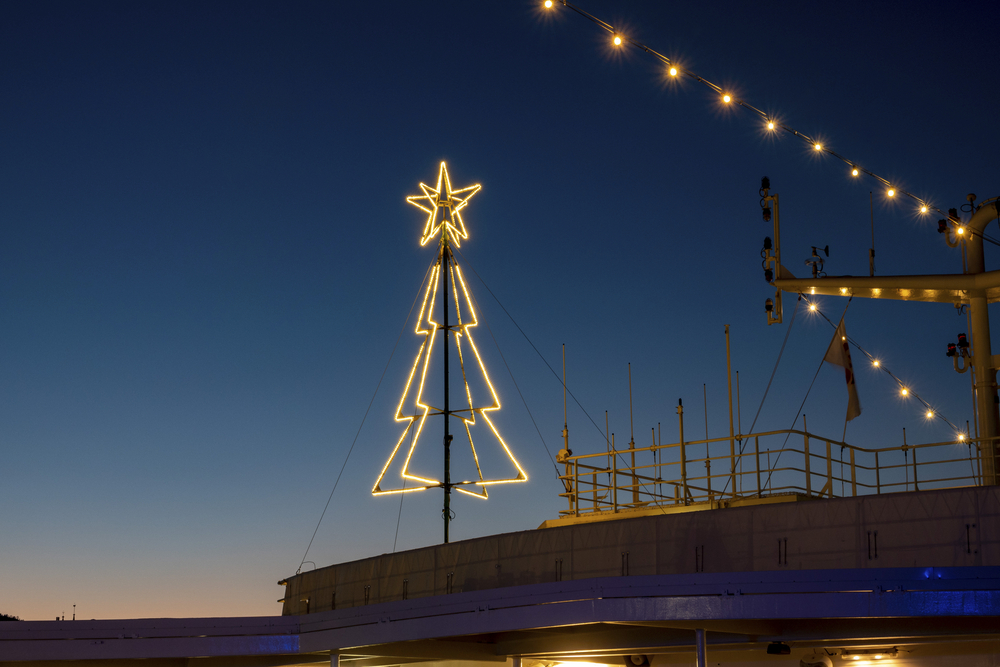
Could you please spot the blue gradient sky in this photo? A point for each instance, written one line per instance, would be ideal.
(206, 256)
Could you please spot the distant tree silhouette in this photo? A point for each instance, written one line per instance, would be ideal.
(5, 617)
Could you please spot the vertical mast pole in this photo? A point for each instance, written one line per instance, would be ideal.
(445, 266)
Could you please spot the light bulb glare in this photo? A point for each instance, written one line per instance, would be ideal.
(548, 4)
(770, 124)
(673, 71)
(727, 99)
(818, 147)
(961, 231)
(923, 209)
(891, 192)
(875, 363)
(855, 172)
(812, 306)
(617, 40)
(904, 391)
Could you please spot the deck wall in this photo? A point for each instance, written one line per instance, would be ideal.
(948, 528)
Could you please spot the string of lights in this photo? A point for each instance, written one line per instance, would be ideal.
(904, 390)
(771, 123)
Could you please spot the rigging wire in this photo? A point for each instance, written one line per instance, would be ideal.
(360, 426)
(770, 470)
(507, 366)
(878, 364)
(777, 361)
(540, 355)
(399, 516)
(545, 361)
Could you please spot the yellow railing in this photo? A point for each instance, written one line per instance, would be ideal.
(763, 464)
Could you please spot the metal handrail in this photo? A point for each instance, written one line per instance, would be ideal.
(810, 473)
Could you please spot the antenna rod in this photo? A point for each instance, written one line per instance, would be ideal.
(631, 441)
(565, 419)
(708, 456)
(739, 427)
(607, 437)
(732, 441)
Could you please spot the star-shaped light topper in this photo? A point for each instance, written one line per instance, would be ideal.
(443, 197)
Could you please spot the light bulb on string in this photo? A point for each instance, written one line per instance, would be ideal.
(672, 71)
(904, 392)
(891, 192)
(875, 363)
(930, 414)
(548, 4)
(727, 99)
(923, 208)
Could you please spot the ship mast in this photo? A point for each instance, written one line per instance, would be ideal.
(975, 288)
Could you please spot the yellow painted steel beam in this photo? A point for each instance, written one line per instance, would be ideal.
(943, 288)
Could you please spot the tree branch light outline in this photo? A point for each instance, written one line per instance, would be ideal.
(449, 228)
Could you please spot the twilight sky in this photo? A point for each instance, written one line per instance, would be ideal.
(207, 257)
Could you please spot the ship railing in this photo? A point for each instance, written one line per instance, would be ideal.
(773, 463)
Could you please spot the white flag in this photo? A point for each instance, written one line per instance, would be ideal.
(840, 354)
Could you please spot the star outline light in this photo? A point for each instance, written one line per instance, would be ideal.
(443, 196)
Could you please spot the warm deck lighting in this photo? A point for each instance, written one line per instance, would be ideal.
(770, 124)
(727, 99)
(923, 209)
(891, 192)
(673, 71)
(818, 147)
(904, 391)
(875, 363)
(855, 172)
(548, 4)
(812, 306)
(617, 40)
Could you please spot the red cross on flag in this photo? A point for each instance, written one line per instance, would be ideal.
(840, 354)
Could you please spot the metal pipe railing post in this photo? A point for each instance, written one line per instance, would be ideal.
(878, 477)
(805, 446)
(614, 473)
(576, 488)
(805, 450)
(756, 451)
(829, 469)
(854, 480)
(684, 477)
(915, 487)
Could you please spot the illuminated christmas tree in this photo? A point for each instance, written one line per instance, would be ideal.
(456, 317)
